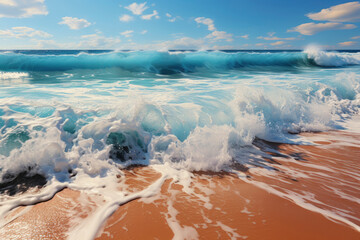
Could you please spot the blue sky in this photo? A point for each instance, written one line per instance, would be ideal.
(179, 24)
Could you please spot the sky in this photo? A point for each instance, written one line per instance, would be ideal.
(179, 24)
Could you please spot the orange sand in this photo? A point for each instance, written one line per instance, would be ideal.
(251, 212)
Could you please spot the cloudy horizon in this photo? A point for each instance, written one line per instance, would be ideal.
(159, 25)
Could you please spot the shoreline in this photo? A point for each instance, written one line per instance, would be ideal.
(220, 205)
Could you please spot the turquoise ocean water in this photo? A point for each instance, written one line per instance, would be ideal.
(62, 110)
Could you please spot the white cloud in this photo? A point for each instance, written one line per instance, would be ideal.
(178, 35)
(48, 44)
(92, 41)
(273, 38)
(52, 44)
(127, 33)
(97, 41)
(149, 16)
(220, 35)
(356, 37)
(206, 21)
(215, 35)
(277, 43)
(349, 43)
(312, 28)
(144, 32)
(184, 43)
(8, 2)
(75, 23)
(24, 32)
(171, 18)
(246, 36)
(137, 9)
(22, 8)
(347, 12)
(126, 18)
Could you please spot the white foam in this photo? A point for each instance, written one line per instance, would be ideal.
(230, 231)
(90, 227)
(13, 75)
(332, 59)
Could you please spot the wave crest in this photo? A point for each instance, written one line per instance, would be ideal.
(168, 63)
(332, 59)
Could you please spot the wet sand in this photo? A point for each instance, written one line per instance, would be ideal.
(221, 205)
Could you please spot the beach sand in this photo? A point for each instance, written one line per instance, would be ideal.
(296, 200)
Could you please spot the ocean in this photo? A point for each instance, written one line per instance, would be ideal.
(76, 119)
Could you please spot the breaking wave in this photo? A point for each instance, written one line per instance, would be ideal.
(211, 134)
(180, 62)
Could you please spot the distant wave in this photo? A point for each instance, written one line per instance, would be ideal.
(170, 63)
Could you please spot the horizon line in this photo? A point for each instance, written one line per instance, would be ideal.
(193, 50)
